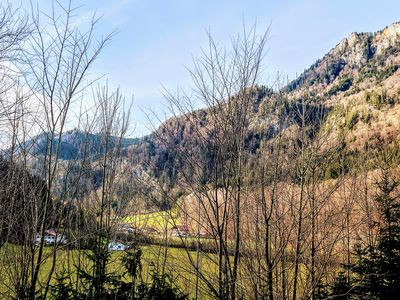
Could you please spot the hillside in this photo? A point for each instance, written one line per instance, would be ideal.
(355, 87)
(73, 143)
(359, 79)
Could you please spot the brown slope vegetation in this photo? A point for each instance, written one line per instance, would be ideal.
(336, 198)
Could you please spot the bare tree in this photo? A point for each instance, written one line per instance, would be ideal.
(14, 31)
(54, 64)
(225, 83)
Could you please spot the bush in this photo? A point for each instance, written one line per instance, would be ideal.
(342, 86)
(378, 100)
(387, 72)
(351, 119)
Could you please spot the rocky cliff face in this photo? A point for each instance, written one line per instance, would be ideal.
(360, 57)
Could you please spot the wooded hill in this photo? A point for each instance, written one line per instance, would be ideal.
(354, 90)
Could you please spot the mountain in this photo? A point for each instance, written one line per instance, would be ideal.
(361, 57)
(73, 143)
(356, 86)
(359, 80)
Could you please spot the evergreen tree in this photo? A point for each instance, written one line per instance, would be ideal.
(377, 267)
(321, 291)
(160, 289)
(341, 289)
(388, 260)
(100, 284)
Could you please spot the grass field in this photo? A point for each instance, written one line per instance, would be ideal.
(176, 263)
(158, 220)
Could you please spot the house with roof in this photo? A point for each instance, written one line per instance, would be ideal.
(51, 236)
(181, 230)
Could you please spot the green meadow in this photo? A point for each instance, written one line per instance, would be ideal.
(176, 262)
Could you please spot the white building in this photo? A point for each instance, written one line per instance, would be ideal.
(51, 237)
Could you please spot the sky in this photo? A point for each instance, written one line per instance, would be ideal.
(157, 40)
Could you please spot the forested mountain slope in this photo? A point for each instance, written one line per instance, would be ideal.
(354, 88)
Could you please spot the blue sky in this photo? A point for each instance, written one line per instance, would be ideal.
(157, 39)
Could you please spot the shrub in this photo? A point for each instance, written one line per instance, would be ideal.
(387, 72)
(378, 100)
(351, 119)
(342, 86)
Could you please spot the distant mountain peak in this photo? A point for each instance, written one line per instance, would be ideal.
(375, 43)
(353, 57)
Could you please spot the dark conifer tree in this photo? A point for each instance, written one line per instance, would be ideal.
(377, 268)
